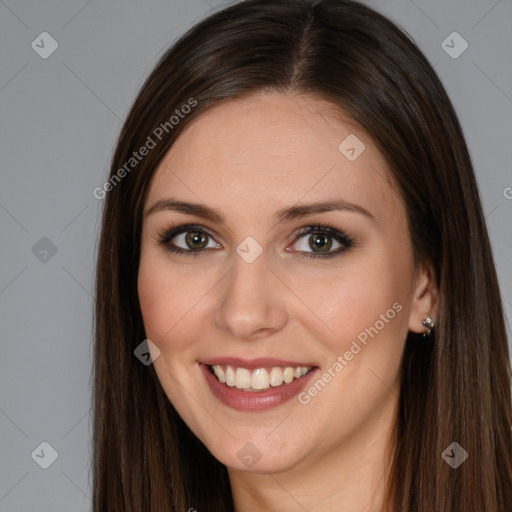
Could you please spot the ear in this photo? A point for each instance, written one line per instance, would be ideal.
(425, 298)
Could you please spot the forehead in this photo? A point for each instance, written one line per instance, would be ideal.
(267, 150)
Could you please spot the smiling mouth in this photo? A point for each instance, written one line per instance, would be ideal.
(258, 379)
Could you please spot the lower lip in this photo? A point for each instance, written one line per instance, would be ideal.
(255, 400)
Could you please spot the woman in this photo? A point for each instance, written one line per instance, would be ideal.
(293, 237)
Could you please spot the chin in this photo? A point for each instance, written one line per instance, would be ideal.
(258, 456)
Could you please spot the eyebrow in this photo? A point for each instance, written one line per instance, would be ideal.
(284, 215)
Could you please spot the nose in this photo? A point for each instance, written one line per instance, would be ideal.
(252, 302)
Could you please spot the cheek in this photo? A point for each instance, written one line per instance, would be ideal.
(363, 299)
(160, 304)
(172, 301)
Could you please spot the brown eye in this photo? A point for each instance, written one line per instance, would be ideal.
(190, 239)
(321, 242)
(196, 240)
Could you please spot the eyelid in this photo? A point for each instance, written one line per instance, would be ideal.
(171, 231)
(324, 227)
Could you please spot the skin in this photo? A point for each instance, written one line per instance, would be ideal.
(249, 158)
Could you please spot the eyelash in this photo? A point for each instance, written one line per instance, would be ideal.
(167, 235)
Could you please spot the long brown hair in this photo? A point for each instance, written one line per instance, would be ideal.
(455, 388)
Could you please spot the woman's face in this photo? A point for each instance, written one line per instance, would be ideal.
(339, 298)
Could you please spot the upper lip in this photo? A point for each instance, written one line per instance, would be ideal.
(259, 362)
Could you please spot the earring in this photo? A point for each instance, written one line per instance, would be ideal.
(429, 325)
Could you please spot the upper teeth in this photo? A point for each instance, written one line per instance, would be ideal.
(259, 378)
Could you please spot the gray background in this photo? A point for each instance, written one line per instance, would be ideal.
(60, 117)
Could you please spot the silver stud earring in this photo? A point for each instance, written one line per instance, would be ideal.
(429, 325)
